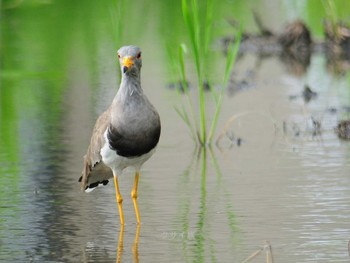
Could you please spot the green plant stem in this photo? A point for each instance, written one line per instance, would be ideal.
(231, 57)
(191, 18)
(208, 24)
(199, 32)
(203, 138)
(192, 23)
(182, 50)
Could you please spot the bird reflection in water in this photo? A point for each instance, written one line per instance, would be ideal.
(135, 247)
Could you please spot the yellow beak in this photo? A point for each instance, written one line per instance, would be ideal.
(128, 62)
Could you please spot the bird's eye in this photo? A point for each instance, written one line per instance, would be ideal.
(138, 55)
(118, 56)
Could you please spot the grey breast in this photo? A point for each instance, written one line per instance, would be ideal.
(137, 130)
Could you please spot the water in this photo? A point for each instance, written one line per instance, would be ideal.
(283, 185)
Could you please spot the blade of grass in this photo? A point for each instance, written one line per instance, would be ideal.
(192, 26)
(184, 116)
(208, 25)
(203, 137)
(197, 40)
(172, 61)
(231, 57)
(253, 255)
(199, 55)
(191, 18)
(182, 50)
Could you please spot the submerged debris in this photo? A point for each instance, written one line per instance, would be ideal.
(332, 110)
(342, 109)
(206, 85)
(179, 85)
(235, 85)
(233, 140)
(307, 94)
(316, 127)
(268, 253)
(182, 86)
(296, 130)
(343, 130)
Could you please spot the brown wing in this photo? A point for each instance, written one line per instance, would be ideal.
(94, 170)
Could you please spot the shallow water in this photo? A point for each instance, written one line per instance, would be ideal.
(284, 184)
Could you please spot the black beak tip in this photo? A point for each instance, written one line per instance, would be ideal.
(125, 69)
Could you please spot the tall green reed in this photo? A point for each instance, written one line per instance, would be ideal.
(198, 47)
(198, 18)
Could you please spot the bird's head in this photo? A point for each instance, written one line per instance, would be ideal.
(130, 60)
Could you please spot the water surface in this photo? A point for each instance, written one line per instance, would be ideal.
(283, 183)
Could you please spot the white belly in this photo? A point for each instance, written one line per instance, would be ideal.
(119, 163)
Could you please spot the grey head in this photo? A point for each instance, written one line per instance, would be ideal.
(130, 60)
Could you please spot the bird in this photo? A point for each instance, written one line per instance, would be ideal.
(125, 135)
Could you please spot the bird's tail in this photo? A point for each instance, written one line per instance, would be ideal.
(97, 176)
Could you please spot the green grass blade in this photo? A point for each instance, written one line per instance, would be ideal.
(232, 52)
(203, 135)
(208, 25)
(231, 57)
(191, 18)
(182, 50)
(192, 24)
(184, 116)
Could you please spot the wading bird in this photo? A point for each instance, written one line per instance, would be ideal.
(125, 135)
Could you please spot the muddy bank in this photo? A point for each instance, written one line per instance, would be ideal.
(294, 44)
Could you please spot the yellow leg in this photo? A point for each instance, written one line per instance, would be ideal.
(120, 244)
(119, 200)
(135, 247)
(134, 197)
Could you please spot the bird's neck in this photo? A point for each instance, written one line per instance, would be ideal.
(130, 86)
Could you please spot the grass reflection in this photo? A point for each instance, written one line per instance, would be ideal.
(198, 207)
(221, 188)
(9, 171)
(40, 45)
(200, 238)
